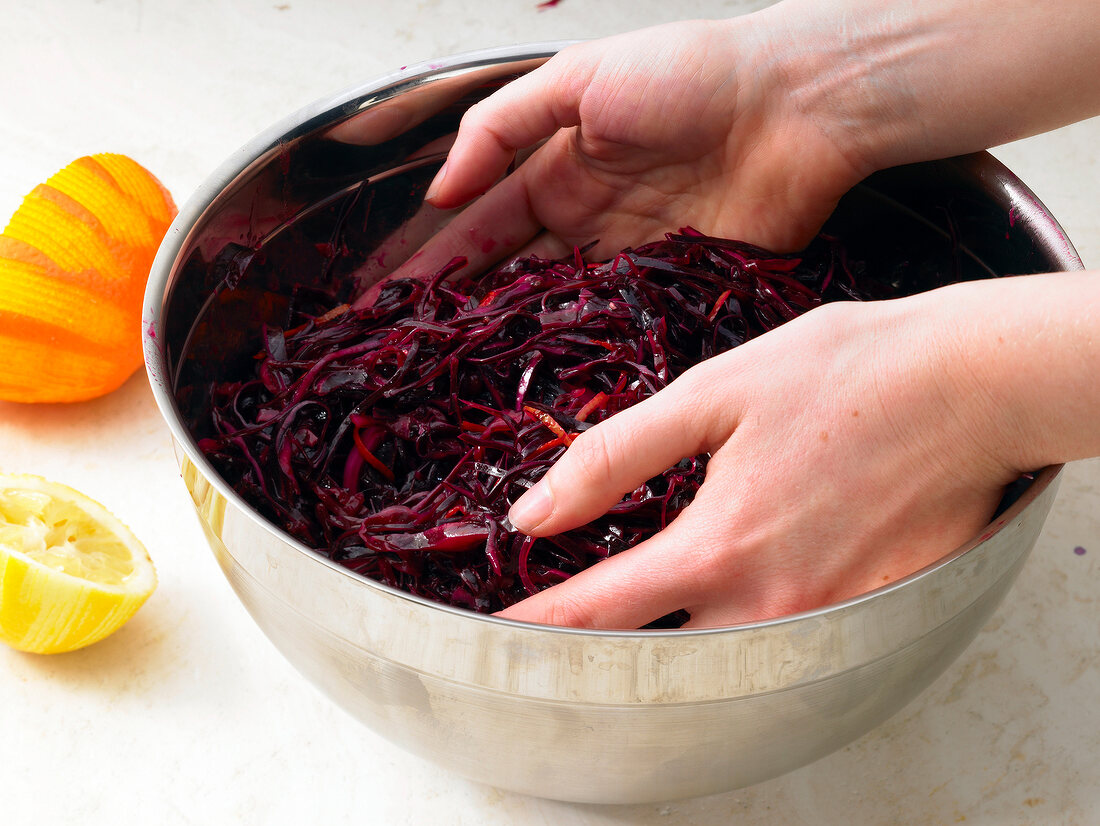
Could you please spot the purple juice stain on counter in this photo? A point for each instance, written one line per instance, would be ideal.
(1079, 550)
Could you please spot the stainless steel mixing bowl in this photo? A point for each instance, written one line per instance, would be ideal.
(569, 714)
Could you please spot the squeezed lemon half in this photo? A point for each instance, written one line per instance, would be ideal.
(70, 572)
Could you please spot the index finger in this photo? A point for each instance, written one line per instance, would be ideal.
(527, 110)
(692, 415)
(625, 591)
(664, 574)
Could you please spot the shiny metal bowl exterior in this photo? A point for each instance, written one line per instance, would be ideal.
(615, 717)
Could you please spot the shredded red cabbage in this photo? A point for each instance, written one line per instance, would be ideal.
(394, 439)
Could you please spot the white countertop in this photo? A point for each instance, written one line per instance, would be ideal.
(189, 715)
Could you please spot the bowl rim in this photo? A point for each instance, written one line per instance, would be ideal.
(361, 96)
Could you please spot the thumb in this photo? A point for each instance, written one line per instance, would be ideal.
(617, 455)
(519, 115)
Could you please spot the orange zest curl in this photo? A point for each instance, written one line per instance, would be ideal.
(74, 260)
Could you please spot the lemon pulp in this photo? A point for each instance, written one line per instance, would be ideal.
(70, 572)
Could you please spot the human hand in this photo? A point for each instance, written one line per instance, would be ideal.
(848, 449)
(748, 128)
(683, 124)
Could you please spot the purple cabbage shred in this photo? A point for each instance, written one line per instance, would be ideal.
(394, 439)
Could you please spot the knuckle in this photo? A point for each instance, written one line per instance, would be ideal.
(471, 118)
(478, 111)
(567, 612)
(595, 454)
(713, 409)
(706, 569)
(483, 118)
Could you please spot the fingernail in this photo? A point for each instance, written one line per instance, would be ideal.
(532, 509)
(437, 181)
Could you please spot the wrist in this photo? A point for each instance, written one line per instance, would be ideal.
(893, 83)
(863, 73)
(1020, 356)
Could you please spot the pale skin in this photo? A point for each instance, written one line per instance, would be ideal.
(856, 443)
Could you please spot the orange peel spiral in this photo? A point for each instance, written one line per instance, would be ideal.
(74, 260)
